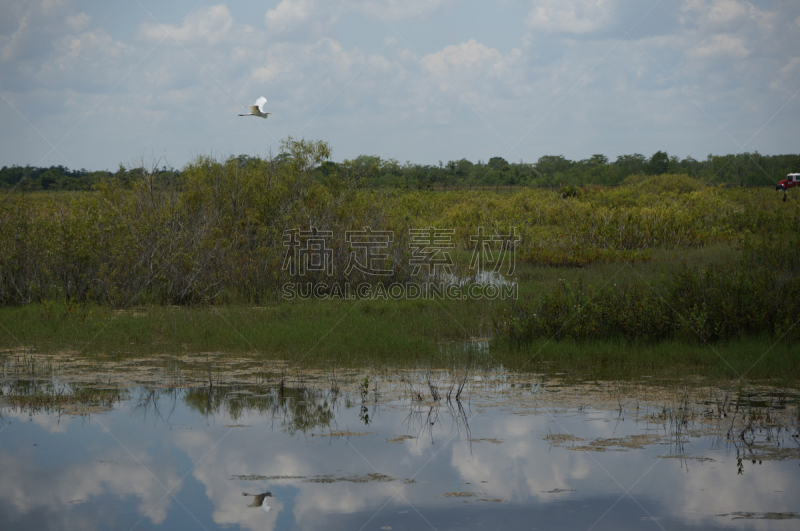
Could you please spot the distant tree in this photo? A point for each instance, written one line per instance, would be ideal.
(49, 178)
(282, 158)
(464, 169)
(13, 175)
(658, 163)
(550, 165)
(390, 170)
(363, 169)
(630, 164)
(498, 164)
(328, 168)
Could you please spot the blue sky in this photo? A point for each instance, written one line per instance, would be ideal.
(95, 84)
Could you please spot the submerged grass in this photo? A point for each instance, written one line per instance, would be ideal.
(751, 358)
(382, 334)
(346, 332)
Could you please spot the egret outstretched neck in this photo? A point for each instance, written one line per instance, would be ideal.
(258, 108)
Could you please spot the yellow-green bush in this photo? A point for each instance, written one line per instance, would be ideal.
(219, 233)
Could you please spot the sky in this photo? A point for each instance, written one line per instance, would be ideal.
(94, 84)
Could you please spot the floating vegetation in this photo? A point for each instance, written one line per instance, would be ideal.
(341, 434)
(352, 478)
(742, 515)
(687, 457)
(400, 438)
(325, 478)
(561, 438)
(618, 444)
(255, 477)
(69, 399)
(29, 383)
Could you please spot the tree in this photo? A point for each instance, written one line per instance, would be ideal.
(658, 163)
(49, 178)
(631, 164)
(600, 160)
(498, 164)
(549, 165)
(363, 169)
(305, 155)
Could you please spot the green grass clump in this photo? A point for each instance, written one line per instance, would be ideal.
(749, 358)
(347, 333)
(758, 294)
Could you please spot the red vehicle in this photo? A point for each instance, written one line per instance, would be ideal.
(791, 180)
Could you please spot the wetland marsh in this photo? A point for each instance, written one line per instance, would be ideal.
(640, 370)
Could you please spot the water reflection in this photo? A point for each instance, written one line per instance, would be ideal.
(514, 451)
(299, 409)
(480, 277)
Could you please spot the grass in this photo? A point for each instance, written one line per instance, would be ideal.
(535, 280)
(379, 334)
(349, 332)
(403, 333)
(749, 358)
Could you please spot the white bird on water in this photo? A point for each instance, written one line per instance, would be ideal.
(258, 108)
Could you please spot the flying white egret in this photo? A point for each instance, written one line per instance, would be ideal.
(258, 108)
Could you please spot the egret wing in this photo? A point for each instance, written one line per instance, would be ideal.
(260, 102)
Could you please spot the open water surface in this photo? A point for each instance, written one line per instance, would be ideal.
(378, 451)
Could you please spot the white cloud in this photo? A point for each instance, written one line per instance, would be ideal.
(569, 16)
(52, 423)
(720, 46)
(315, 71)
(32, 487)
(791, 67)
(78, 21)
(313, 17)
(721, 15)
(10, 46)
(724, 11)
(472, 64)
(289, 13)
(26, 28)
(207, 26)
(403, 10)
(470, 56)
(89, 57)
(788, 76)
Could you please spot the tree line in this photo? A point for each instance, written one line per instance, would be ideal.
(749, 169)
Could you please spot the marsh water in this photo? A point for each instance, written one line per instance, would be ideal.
(193, 446)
